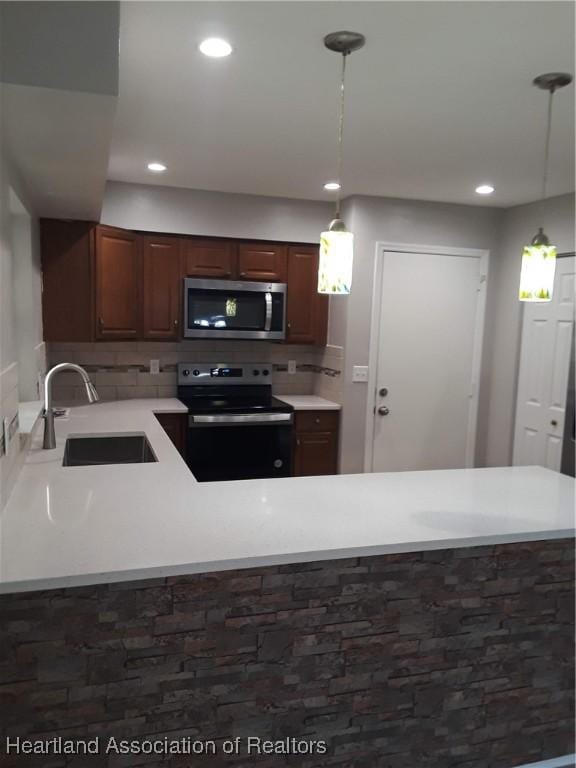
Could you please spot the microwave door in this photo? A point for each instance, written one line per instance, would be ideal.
(226, 311)
(236, 311)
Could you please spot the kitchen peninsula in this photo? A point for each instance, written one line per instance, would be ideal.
(139, 602)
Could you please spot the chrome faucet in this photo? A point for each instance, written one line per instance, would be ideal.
(49, 434)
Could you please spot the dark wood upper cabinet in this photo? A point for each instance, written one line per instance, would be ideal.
(306, 309)
(67, 249)
(210, 258)
(118, 284)
(105, 283)
(161, 280)
(262, 262)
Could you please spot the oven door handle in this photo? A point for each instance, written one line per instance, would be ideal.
(268, 320)
(239, 419)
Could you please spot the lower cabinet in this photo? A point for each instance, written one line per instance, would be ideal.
(316, 443)
(315, 437)
(174, 424)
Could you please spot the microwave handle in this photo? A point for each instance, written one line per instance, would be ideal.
(268, 320)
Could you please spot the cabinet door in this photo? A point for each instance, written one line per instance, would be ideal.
(210, 258)
(118, 279)
(306, 309)
(262, 262)
(67, 249)
(315, 453)
(161, 287)
(174, 424)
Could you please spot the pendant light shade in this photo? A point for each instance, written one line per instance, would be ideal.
(337, 243)
(539, 258)
(336, 259)
(538, 268)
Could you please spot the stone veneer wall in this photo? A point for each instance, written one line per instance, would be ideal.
(120, 370)
(455, 658)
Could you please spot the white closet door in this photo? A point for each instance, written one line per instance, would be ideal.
(425, 416)
(543, 374)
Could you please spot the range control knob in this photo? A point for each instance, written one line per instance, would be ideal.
(185, 372)
(265, 372)
(256, 372)
(196, 372)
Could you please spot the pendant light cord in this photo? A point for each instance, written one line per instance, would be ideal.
(340, 135)
(547, 145)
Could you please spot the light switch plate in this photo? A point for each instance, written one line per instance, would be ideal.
(291, 366)
(360, 373)
(154, 366)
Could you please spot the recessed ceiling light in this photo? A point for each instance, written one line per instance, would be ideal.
(215, 47)
(485, 189)
(331, 186)
(156, 167)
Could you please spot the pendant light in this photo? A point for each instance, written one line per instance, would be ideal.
(539, 258)
(336, 243)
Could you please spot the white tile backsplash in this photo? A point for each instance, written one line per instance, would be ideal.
(120, 370)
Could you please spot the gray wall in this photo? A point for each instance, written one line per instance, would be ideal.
(520, 224)
(18, 240)
(56, 45)
(22, 351)
(187, 211)
(403, 221)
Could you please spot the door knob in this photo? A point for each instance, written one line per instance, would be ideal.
(383, 391)
(383, 410)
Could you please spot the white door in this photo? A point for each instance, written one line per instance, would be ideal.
(543, 373)
(428, 347)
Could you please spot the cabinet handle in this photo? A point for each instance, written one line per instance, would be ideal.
(298, 442)
(317, 421)
(176, 323)
(100, 323)
(242, 274)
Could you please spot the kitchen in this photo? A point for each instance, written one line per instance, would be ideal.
(261, 528)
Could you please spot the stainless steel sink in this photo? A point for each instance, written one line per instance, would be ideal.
(107, 449)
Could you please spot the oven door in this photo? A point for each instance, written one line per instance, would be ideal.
(239, 446)
(223, 309)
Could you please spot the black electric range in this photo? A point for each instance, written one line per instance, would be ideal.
(236, 429)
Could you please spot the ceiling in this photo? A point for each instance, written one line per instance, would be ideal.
(439, 101)
(56, 105)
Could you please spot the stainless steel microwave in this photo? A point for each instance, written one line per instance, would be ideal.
(231, 309)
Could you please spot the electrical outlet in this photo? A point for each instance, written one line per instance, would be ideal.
(154, 366)
(291, 366)
(360, 373)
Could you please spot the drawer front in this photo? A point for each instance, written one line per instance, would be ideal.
(316, 421)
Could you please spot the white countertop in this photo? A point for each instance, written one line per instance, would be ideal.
(67, 526)
(309, 403)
